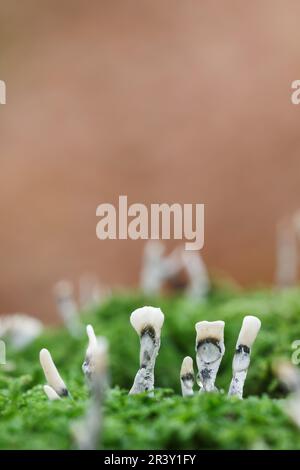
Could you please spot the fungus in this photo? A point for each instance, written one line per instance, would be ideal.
(241, 361)
(209, 352)
(147, 322)
(187, 378)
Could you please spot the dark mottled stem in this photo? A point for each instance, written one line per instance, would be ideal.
(149, 347)
(209, 356)
(241, 362)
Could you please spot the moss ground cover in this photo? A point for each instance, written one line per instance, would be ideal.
(29, 421)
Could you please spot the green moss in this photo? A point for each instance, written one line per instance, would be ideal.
(29, 421)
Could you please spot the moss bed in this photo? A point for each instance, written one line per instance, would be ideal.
(167, 421)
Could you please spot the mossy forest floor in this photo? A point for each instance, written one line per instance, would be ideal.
(167, 421)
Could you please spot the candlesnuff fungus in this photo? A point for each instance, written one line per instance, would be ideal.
(53, 378)
(67, 307)
(157, 268)
(19, 329)
(289, 375)
(51, 393)
(187, 378)
(87, 432)
(241, 361)
(87, 365)
(147, 322)
(90, 291)
(199, 282)
(209, 352)
(287, 251)
(96, 351)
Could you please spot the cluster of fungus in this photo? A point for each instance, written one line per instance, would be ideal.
(148, 322)
(210, 350)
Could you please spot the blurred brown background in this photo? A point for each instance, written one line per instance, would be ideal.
(162, 100)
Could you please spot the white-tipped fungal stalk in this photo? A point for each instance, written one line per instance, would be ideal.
(292, 407)
(52, 375)
(199, 282)
(87, 433)
(147, 322)
(287, 253)
(187, 378)
(91, 292)
(97, 349)
(19, 329)
(157, 268)
(67, 307)
(289, 375)
(51, 393)
(209, 352)
(241, 361)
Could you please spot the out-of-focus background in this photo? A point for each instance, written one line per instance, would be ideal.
(164, 101)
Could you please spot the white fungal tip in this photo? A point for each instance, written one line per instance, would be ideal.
(51, 373)
(92, 338)
(288, 374)
(101, 355)
(96, 359)
(145, 317)
(250, 328)
(187, 366)
(210, 329)
(51, 393)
